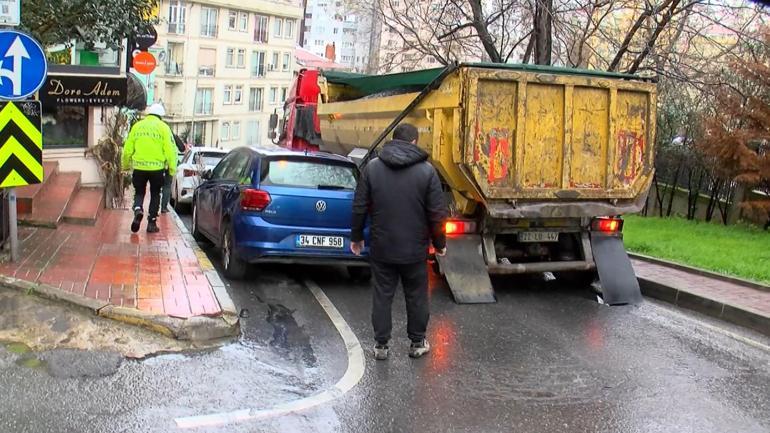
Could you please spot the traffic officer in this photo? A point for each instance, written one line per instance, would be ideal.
(149, 150)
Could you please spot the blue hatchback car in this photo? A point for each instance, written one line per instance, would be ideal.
(278, 206)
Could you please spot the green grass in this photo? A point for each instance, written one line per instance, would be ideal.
(740, 251)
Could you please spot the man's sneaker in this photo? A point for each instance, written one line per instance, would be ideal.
(381, 352)
(138, 215)
(418, 349)
(152, 227)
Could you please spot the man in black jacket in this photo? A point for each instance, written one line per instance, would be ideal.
(402, 194)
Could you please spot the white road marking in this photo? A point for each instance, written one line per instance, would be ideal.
(352, 376)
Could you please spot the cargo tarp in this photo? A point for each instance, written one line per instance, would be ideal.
(371, 84)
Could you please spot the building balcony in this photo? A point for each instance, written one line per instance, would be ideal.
(176, 28)
(204, 109)
(174, 69)
(206, 70)
(209, 31)
(175, 110)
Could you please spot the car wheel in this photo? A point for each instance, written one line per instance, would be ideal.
(360, 273)
(234, 267)
(196, 233)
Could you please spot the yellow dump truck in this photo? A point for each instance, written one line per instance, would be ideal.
(538, 163)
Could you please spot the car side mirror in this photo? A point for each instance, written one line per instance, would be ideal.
(206, 175)
(272, 124)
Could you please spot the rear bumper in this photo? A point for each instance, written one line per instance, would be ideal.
(531, 268)
(258, 241)
(185, 190)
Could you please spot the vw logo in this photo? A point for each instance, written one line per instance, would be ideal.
(320, 206)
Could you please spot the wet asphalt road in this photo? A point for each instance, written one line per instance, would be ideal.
(545, 358)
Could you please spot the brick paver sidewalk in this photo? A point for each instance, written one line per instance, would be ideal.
(692, 288)
(159, 273)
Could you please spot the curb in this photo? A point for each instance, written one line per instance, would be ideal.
(692, 301)
(195, 329)
(701, 272)
(220, 291)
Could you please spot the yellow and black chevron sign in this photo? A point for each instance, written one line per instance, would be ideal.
(21, 143)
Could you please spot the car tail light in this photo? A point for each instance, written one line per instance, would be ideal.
(189, 173)
(254, 200)
(607, 225)
(455, 227)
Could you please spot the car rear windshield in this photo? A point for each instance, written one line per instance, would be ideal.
(309, 174)
(208, 158)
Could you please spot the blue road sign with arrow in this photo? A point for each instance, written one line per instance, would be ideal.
(23, 66)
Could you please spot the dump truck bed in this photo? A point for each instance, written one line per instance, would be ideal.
(524, 142)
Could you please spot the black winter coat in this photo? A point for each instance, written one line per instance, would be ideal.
(402, 194)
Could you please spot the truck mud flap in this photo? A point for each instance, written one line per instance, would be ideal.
(466, 271)
(619, 283)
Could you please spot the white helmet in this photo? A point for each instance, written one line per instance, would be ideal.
(156, 109)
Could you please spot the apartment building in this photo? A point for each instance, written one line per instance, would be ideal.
(334, 22)
(225, 66)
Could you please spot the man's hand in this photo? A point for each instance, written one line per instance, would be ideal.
(441, 252)
(357, 247)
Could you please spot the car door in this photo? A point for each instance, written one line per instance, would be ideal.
(207, 197)
(227, 191)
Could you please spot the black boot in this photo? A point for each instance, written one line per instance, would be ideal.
(138, 215)
(152, 226)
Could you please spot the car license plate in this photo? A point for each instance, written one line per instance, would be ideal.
(539, 237)
(316, 241)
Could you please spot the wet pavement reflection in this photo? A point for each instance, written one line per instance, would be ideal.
(545, 358)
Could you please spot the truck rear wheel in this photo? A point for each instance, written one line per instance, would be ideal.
(579, 279)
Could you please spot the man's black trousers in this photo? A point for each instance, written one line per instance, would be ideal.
(140, 179)
(414, 279)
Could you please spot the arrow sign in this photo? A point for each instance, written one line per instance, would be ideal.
(23, 65)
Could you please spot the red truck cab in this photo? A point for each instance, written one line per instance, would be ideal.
(299, 129)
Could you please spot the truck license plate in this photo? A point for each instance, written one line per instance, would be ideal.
(539, 237)
(316, 241)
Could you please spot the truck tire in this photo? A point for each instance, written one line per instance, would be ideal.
(578, 279)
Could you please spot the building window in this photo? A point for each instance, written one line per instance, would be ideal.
(274, 65)
(238, 98)
(232, 20)
(347, 59)
(230, 58)
(65, 126)
(336, 30)
(258, 64)
(256, 102)
(228, 95)
(204, 101)
(278, 27)
(209, 22)
(207, 62)
(261, 29)
(319, 43)
(286, 61)
(241, 57)
(177, 17)
(284, 91)
(235, 131)
(225, 134)
(252, 133)
(243, 23)
(289, 30)
(273, 95)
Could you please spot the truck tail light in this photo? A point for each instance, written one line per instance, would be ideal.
(607, 225)
(458, 227)
(189, 173)
(254, 200)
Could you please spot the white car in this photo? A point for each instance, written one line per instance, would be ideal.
(187, 178)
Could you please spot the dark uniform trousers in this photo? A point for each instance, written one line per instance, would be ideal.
(414, 279)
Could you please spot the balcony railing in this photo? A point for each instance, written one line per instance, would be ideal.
(176, 28)
(209, 30)
(175, 110)
(206, 70)
(204, 108)
(174, 69)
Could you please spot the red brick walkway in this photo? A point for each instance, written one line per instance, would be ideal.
(740, 296)
(158, 272)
